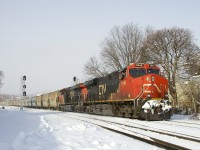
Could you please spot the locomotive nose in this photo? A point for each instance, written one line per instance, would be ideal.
(153, 86)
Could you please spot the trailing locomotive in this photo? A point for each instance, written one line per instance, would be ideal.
(137, 91)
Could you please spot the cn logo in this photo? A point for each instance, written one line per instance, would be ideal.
(102, 89)
(123, 83)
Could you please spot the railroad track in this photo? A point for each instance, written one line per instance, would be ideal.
(149, 140)
(156, 130)
(164, 132)
(191, 123)
(127, 130)
(135, 132)
(181, 124)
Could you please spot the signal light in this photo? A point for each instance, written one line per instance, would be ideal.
(24, 78)
(24, 86)
(74, 78)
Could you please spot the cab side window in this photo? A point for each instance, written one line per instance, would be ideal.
(123, 74)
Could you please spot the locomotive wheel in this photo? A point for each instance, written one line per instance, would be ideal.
(147, 116)
(115, 111)
(160, 117)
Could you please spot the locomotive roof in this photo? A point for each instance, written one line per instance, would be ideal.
(90, 82)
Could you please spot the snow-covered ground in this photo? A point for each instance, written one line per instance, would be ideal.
(33, 129)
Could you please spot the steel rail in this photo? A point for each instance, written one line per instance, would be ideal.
(181, 124)
(138, 136)
(162, 131)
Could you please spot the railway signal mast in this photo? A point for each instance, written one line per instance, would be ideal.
(23, 84)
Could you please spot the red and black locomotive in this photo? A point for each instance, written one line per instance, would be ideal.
(137, 91)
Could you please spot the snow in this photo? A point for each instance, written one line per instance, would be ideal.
(35, 129)
(152, 104)
(188, 130)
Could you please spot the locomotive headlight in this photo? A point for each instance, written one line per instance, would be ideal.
(148, 79)
(148, 95)
(152, 78)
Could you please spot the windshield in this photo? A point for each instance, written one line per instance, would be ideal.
(137, 72)
(153, 71)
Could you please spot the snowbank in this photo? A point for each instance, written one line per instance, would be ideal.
(42, 129)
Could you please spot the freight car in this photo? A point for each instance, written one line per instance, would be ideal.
(52, 100)
(137, 91)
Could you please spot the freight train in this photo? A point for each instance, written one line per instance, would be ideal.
(137, 91)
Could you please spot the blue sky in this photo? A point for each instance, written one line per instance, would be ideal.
(51, 40)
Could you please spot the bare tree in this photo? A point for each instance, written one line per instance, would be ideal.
(195, 94)
(122, 46)
(191, 92)
(94, 68)
(171, 48)
(1, 77)
(193, 63)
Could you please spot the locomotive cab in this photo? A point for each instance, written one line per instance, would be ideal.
(143, 81)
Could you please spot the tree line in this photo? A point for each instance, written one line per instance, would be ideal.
(173, 48)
